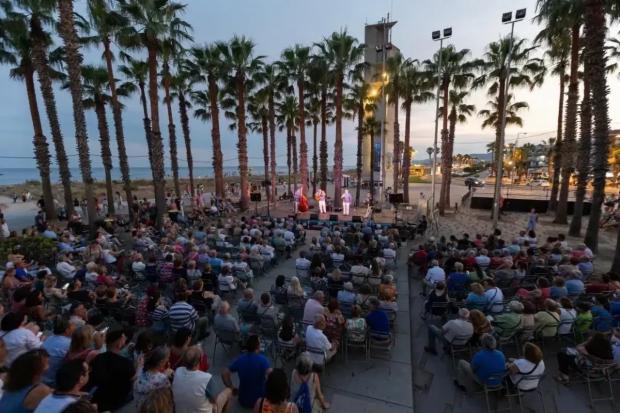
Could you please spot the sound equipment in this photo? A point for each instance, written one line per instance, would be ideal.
(255, 197)
(376, 210)
(333, 218)
(314, 217)
(396, 199)
(356, 218)
(266, 183)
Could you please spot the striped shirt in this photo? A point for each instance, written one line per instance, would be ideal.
(182, 315)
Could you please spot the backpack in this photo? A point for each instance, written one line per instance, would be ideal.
(302, 398)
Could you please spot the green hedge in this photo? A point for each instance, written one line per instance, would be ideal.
(39, 249)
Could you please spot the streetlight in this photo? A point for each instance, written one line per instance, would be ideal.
(437, 35)
(506, 19)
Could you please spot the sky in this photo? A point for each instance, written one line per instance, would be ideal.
(276, 24)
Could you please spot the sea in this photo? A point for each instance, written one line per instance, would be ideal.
(14, 176)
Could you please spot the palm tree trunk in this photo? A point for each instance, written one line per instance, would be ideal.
(157, 152)
(118, 127)
(596, 66)
(323, 148)
(288, 156)
(303, 146)
(557, 153)
(242, 148)
(338, 143)
(583, 160)
(39, 60)
(568, 145)
(407, 153)
(172, 136)
(360, 142)
(272, 145)
(188, 143)
(41, 148)
(502, 97)
(147, 127)
(444, 150)
(73, 61)
(372, 168)
(315, 159)
(106, 154)
(295, 164)
(218, 158)
(265, 130)
(451, 134)
(396, 160)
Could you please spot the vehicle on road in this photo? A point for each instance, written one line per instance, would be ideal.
(474, 182)
(540, 182)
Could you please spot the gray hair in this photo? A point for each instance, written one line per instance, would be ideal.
(304, 363)
(464, 313)
(458, 266)
(191, 357)
(488, 341)
(434, 263)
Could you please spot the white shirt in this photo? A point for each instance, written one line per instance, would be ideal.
(138, 266)
(526, 367)
(483, 261)
(302, 263)
(565, 317)
(65, 269)
(53, 403)
(189, 390)
(495, 297)
(4, 230)
(19, 341)
(435, 274)
(315, 338)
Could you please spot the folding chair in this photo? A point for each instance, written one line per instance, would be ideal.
(381, 342)
(520, 394)
(226, 338)
(354, 342)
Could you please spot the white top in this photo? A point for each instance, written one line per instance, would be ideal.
(483, 261)
(435, 274)
(565, 317)
(315, 338)
(302, 263)
(65, 269)
(17, 342)
(189, 389)
(138, 266)
(53, 403)
(526, 368)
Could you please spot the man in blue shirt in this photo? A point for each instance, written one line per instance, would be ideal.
(574, 286)
(486, 368)
(252, 369)
(57, 347)
(458, 281)
(377, 319)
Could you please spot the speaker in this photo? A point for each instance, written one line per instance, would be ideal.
(255, 196)
(333, 218)
(314, 217)
(356, 218)
(396, 198)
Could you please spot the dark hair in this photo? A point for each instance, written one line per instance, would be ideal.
(68, 374)
(265, 298)
(155, 357)
(60, 325)
(113, 336)
(333, 305)
(253, 343)
(181, 336)
(602, 301)
(11, 321)
(600, 346)
(25, 369)
(80, 406)
(280, 280)
(152, 301)
(144, 341)
(276, 387)
(21, 293)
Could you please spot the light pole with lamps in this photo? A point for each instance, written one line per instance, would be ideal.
(506, 19)
(437, 35)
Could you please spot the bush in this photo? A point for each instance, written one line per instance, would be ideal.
(39, 249)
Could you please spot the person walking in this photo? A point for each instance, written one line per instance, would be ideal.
(532, 220)
(346, 202)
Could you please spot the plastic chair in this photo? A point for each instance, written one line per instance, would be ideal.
(459, 345)
(380, 341)
(599, 371)
(498, 388)
(519, 393)
(352, 342)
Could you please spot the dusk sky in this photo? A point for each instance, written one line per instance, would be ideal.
(277, 24)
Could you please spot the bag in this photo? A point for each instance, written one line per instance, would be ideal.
(302, 398)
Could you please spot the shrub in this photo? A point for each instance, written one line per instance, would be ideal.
(39, 249)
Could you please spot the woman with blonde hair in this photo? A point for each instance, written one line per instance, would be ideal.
(157, 401)
(85, 344)
(295, 289)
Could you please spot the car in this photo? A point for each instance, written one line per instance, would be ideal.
(474, 182)
(540, 182)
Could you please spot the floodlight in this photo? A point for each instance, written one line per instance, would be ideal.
(436, 34)
(447, 32)
(507, 17)
(520, 14)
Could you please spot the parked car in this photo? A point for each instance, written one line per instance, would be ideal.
(474, 182)
(540, 182)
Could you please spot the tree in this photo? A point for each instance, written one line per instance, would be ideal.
(288, 119)
(459, 112)
(94, 83)
(73, 60)
(491, 116)
(39, 13)
(209, 68)
(394, 66)
(320, 76)
(258, 106)
(342, 52)
(371, 128)
(107, 23)
(152, 21)
(314, 112)
(238, 56)
(455, 72)
(16, 50)
(416, 85)
(295, 64)
(182, 87)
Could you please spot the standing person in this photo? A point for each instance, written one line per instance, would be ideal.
(306, 386)
(321, 196)
(346, 202)
(252, 369)
(70, 378)
(297, 198)
(532, 220)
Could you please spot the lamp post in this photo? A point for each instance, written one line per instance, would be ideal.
(440, 36)
(507, 18)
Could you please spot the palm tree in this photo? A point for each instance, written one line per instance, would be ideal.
(209, 68)
(107, 23)
(372, 127)
(73, 61)
(595, 30)
(491, 116)
(558, 15)
(394, 66)
(459, 111)
(152, 21)
(416, 86)
(314, 112)
(258, 106)
(288, 119)
(557, 53)
(295, 64)
(320, 76)
(16, 50)
(94, 84)
(342, 52)
(238, 56)
(455, 72)
(38, 13)
(168, 51)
